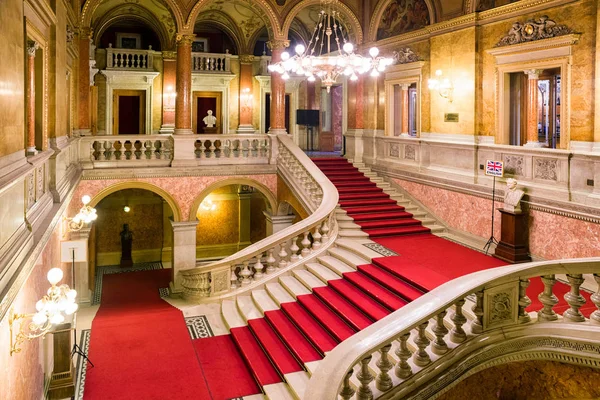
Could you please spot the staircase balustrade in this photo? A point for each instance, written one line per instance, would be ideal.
(498, 301)
(129, 59)
(253, 148)
(283, 250)
(211, 62)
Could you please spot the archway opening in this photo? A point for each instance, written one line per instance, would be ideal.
(130, 33)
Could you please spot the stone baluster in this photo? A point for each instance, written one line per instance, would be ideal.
(365, 377)
(93, 155)
(258, 267)
(282, 255)
(403, 369)
(457, 334)
(201, 148)
(347, 390)
(305, 245)
(148, 150)
(294, 249)
(439, 345)
(325, 230)
(108, 150)
(548, 299)
(477, 324)
(421, 357)
(246, 274)
(595, 317)
(574, 299)
(270, 261)
(524, 301)
(212, 148)
(234, 279)
(316, 238)
(384, 381)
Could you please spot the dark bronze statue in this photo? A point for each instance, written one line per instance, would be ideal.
(126, 244)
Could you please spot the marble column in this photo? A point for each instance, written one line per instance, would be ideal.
(85, 35)
(246, 94)
(183, 251)
(168, 88)
(82, 273)
(532, 108)
(276, 223)
(277, 88)
(596, 144)
(183, 102)
(32, 47)
(404, 128)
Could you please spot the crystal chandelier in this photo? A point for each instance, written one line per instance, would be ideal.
(326, 60)
(86, 215)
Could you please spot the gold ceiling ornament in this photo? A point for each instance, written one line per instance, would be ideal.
(533, 29)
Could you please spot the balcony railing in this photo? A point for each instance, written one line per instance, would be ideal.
(211, 62)
(129, 59)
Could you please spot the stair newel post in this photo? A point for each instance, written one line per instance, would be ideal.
(316, 238)
(595, 317)
(524, 301)
(234, 278)
(258, 267)
(457, 334)
(439, 345)
(246, 274)
(347, 390)
(294, 249)
(282, 255)
(403, 369)
(270, 261)
(477, 324)
(421, 357)
(305, 244)
(365, 377)
(325, 230)
(574, 299)
(548, 299)
(384, 381)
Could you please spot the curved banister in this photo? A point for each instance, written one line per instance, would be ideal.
(319, 196)
(326, 382)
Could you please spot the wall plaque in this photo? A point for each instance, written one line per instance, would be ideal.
(451, 117)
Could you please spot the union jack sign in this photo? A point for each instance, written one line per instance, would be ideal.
(494, 168)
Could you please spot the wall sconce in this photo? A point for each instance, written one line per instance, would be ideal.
(169, 99)
(246, 98)
(126, 209)
(86, 215)
(443, 85)
(51, 310)
(208, 205)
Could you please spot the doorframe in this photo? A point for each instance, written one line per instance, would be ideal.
(128, 92)
(218, 112)
(133, 80)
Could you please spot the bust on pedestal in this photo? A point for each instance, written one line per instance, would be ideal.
(513, 246)
(210, 120)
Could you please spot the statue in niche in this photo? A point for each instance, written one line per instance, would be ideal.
(126, 244)
(210, 120)
(512, 196)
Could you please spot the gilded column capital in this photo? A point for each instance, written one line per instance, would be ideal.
(169, 55)
(278, 44)
(32, 47)
(85, 32)
(246, 58)
(184, 39)
(533, 73)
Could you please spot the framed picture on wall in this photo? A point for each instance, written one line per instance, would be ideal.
(129, 41)
(200, 45)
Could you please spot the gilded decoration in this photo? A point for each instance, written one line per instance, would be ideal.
(220, 281)
(246, 58)
(404, 55)
(278, 44)
(403, 16)
(32, 47)
(185, 39)
(533, 29)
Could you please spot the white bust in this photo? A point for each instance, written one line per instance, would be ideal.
(210, 120)
(512, 196)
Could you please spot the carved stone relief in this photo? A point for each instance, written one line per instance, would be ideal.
(545, 168)
(404, 55)
(220, 281)
(533, 29)
(409, 152)
(513, 164)
(501, 309)
(39, 174)
(500, 306)
(394, 150)
(30, 190)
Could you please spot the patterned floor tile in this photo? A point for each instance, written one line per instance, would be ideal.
(376, 247)
(199, 327)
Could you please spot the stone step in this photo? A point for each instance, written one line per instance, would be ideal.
(308, 279)
(264, 301)
(278, 391)
(322, 272)
(353, 234)
(231, 314)
(278, 293)
(293, 286)
(336, 265)
(311, 366)
(247, 308)
(348, 257)
(297, 382)
(348, 224)
(357, 248)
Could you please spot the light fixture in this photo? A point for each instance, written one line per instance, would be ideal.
(50, 310)
(86, 215)
(443, 85)
(320, 60)
(208, 205)
(126, 209)
(169, 99)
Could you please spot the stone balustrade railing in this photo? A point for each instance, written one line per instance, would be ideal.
(283, 250)
(253, 149)
(432, 341)
(265, 61)
(211, 62)
(129, 59)
(125, 150)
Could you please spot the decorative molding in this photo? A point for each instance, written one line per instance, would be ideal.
(394, 150)
(410, 152)
(545, 168)
(532, 30)
(70, 34)
(278, 44)
(169, 55)
(32, 47)
(246, 58)
(513, 164)
(500, 306)
(185, 39)
(404, 55)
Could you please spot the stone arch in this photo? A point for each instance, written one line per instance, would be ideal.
(90, 6)
(382, 6)
(264, 10)
(272, 201)
(138, 185)
(344, 9)
(228, 26)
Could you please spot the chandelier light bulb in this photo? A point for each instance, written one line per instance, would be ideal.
(126, 209)
(438, 72)
(40, 305)
(39, 318)
(71, 294)
(373, 52)
(354, 77)
(54, 276)
(57, 319)
(71, 308)
(285, 56)
(86, 200)
(300, 49)
(348, 47)
(311, 78)
(285, 76)
(374, 73)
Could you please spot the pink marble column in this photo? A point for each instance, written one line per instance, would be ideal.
(356, 105)
(85, 35)
(32, 47)
(277, 89)
(246, 94)
(183, 103)
(169, 94)
(532, 108)
(404, 128)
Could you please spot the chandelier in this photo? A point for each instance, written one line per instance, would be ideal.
(443, 85)
(86, 215)
(326, 60)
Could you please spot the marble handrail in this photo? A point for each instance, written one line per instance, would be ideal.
(211, 62)
(282, 249)
(130, 59)
(500, 303)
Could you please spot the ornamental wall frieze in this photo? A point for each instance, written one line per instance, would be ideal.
(532, 30)
(404, 55)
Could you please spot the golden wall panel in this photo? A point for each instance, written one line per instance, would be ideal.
(258, 221)
(219, 226)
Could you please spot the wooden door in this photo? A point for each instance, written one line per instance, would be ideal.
(129, 112)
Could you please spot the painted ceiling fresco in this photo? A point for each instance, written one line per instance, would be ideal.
(403, 16)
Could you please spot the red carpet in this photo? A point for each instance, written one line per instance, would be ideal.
(140, 345)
